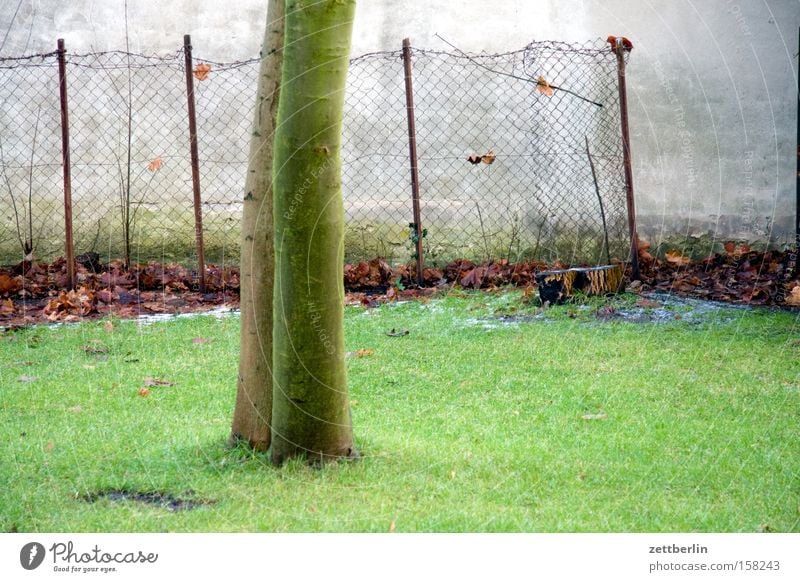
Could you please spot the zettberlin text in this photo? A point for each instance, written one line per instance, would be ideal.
(675, 549)
(66, 553)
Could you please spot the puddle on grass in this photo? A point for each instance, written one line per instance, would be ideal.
(153, 498)
(218, 312)
(666, 308)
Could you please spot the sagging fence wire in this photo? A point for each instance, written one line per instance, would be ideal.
(505, 145)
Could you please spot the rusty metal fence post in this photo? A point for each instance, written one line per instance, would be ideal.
(66, 167)
(198, 211)
(793, 265)
(412, 155)
(620, 50)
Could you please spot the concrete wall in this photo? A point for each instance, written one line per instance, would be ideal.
(712, 84)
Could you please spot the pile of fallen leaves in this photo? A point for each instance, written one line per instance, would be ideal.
(740, 275)
(34, 292)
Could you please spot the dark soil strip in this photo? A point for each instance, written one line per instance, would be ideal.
(155, 498)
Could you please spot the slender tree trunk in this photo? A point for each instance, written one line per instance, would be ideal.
(253, 412)
(311, 407)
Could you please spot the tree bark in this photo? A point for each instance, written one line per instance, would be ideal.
(253, 411)
(311, 406)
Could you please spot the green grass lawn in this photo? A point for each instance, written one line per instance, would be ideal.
(550, 422)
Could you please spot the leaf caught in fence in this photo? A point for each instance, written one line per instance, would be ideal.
(488, 158)
(155, 165)
(201, 71)
(544, 87)
(474, 159)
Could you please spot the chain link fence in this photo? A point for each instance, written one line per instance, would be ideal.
(501, 139)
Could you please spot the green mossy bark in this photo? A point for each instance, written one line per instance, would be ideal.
(311, 407)
(253, 411)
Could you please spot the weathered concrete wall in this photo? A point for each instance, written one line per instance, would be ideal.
(712, 84)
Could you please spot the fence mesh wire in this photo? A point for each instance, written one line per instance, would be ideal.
(131, 169)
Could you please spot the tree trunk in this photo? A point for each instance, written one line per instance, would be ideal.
(311, 407)
(253, 412)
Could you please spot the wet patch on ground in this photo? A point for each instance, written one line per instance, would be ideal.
(653, 308)
(153, 498)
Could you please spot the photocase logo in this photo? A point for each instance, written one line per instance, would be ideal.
(31, 555)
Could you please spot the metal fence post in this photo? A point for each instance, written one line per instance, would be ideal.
(793, 264)
(626, 156)
(412, 154)
(66, 167)
(198, 211)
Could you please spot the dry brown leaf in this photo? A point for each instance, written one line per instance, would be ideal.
(7, 307)
(201, 71)
(201, 340)
(49, 446)
(794, 297)
(144, 392)
(474, 159)
(95, 349)
(392, 526)
(488, 158)
(9, 284)
(155, 165)
(109, 326)
(156, 382)
(544, 87)
(677, 258)
(76, 408)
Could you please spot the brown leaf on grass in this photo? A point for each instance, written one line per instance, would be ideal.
(544, 87)
(392, 526)
(76, 408)
(647, 303)
(49, 446)
(108, 326)
(144, 392)
(95, 349)
(157, 382)
(201, 340)
(201, 71)
(155, 165)
(362, 353)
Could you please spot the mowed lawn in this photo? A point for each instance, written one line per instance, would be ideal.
(489, 415)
